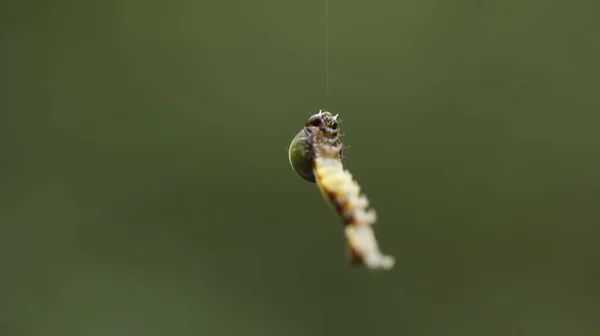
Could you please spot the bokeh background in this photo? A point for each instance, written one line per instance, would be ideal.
(145, 187)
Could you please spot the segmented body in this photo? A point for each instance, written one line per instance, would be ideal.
(338, 187)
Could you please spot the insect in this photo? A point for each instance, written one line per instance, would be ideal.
(316, 155)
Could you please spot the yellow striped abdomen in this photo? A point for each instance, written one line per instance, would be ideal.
(343, 193)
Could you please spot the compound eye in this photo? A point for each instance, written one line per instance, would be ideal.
(334, 125)
(314, 121)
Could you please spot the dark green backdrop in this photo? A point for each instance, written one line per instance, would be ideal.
(145, 187)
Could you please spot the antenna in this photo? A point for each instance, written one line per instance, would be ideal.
(327, 50)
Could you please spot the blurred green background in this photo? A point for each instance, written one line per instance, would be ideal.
(145, 187)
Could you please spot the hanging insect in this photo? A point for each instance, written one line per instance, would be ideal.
(316, 155)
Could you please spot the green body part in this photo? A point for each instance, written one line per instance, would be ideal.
(301, 155)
